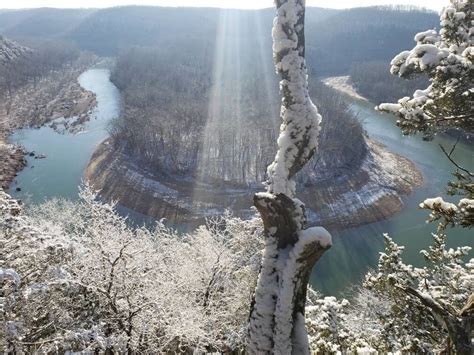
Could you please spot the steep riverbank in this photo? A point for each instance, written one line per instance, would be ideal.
(372, 193)
(55, 96)
(13, 160)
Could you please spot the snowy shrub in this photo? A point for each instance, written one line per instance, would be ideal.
(77, 277)
(400, 308)
(326, 324)
(426, 303)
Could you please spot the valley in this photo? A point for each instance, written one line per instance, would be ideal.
(224, 179)
(369, 178)
(380, 208)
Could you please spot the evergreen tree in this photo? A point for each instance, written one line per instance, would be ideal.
(446, 56)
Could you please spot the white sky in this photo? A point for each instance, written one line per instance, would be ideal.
(248, 4)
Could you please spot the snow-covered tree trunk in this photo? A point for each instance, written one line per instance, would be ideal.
(277, 322)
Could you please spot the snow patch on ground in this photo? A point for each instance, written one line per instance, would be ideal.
(344, 85)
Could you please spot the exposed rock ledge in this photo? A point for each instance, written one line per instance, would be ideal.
(372, 193)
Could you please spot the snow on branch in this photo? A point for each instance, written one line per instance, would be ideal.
(446, 57)
(300, 126)
(449, 213)
(277, 322)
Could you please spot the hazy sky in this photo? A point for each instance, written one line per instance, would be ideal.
(432, 4)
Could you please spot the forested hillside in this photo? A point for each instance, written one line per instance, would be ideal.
(219, 124)
(21, 65)
(41, 23)
(199, 127)
(343, 36)
(10, 51)
(373, 80)
(363, 34)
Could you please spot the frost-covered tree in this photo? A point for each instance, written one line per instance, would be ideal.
(277, 321)
(435, 303)
(401, 308)
(340, 326)
(76, 277)
(447, 58)
(429, 306)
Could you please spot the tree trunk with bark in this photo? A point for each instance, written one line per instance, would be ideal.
(277, 322)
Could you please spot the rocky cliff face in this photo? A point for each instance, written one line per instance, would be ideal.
(13, 160)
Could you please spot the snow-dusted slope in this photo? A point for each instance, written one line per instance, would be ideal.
(10, 51)
(371, 193)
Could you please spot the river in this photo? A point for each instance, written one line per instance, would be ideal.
(354, 251)
(67, 154)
